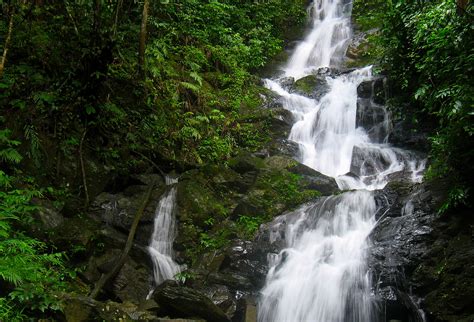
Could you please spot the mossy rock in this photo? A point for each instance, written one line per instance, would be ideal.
(75, 233)
(307, 85)
(275, 191)
(245, 163)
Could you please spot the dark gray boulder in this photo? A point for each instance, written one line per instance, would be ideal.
(183, 302)
(372, 116)
(118, 210)
(420, 259)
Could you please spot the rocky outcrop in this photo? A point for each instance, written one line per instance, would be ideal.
(419, 257)
(371, 113)
(83, 309)
(117, 210)
(181, 301)
(212, 200)
(133, 281)
(313, 86)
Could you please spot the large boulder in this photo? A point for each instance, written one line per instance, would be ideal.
(313, 86)
(312, 179)
(183, 302)
(118, 210)
(132, 283)
(47, 214)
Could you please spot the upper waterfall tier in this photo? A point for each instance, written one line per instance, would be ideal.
(326, 43)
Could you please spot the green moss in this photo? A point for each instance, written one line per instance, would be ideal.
(307, 84)
(219, 203)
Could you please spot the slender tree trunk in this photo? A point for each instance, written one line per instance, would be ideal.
(142, 42)
(117, 11)
(96, 24)
(462, 6)
(68, 12)
(7, 41)
(83, 169)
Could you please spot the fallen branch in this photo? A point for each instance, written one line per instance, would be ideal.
(128, 245)
(83, 169)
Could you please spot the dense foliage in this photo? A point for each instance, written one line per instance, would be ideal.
(31, 275)
(427, 51)
(430, 56)
(190, 104)
(78, 91)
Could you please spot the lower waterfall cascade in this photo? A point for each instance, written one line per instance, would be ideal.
(164, 233)
(321, 275)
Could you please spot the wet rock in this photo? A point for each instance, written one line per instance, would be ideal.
(408, 135)
(118, 210)
(375, 89)
(248, 261)
(48, 214)
(221, 296)
(313, 86)
(246, 163)
(282, 147)
(371, 114)
(287, 82)
(418, 258)
(133, 281)
(366, 162)
(234, 281)
(312, 179)
(75, 233)
(182, 301)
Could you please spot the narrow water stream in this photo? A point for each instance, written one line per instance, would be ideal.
(322, 274)
(164, 233)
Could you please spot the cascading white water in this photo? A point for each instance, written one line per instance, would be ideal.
(322, 274)
(164, 233)
(327, 41)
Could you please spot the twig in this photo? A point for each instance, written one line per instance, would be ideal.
(83, 169)
(72, 18)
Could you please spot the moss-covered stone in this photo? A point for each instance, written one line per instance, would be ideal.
(218, 203)
(306, 85)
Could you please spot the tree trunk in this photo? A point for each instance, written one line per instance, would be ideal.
(7, 41)
(118, 7)
(462, 6)
(142, 42)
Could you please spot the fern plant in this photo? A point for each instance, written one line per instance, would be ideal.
(30, 276)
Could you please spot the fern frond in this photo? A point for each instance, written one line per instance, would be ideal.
(10, 155)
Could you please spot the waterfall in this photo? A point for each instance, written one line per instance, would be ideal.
(164, 233)
(321, 275)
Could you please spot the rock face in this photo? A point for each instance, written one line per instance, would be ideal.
(186, 302)
(118, 210)
(418, 258)
(371, 114)
(213, 200)
(133, 281)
